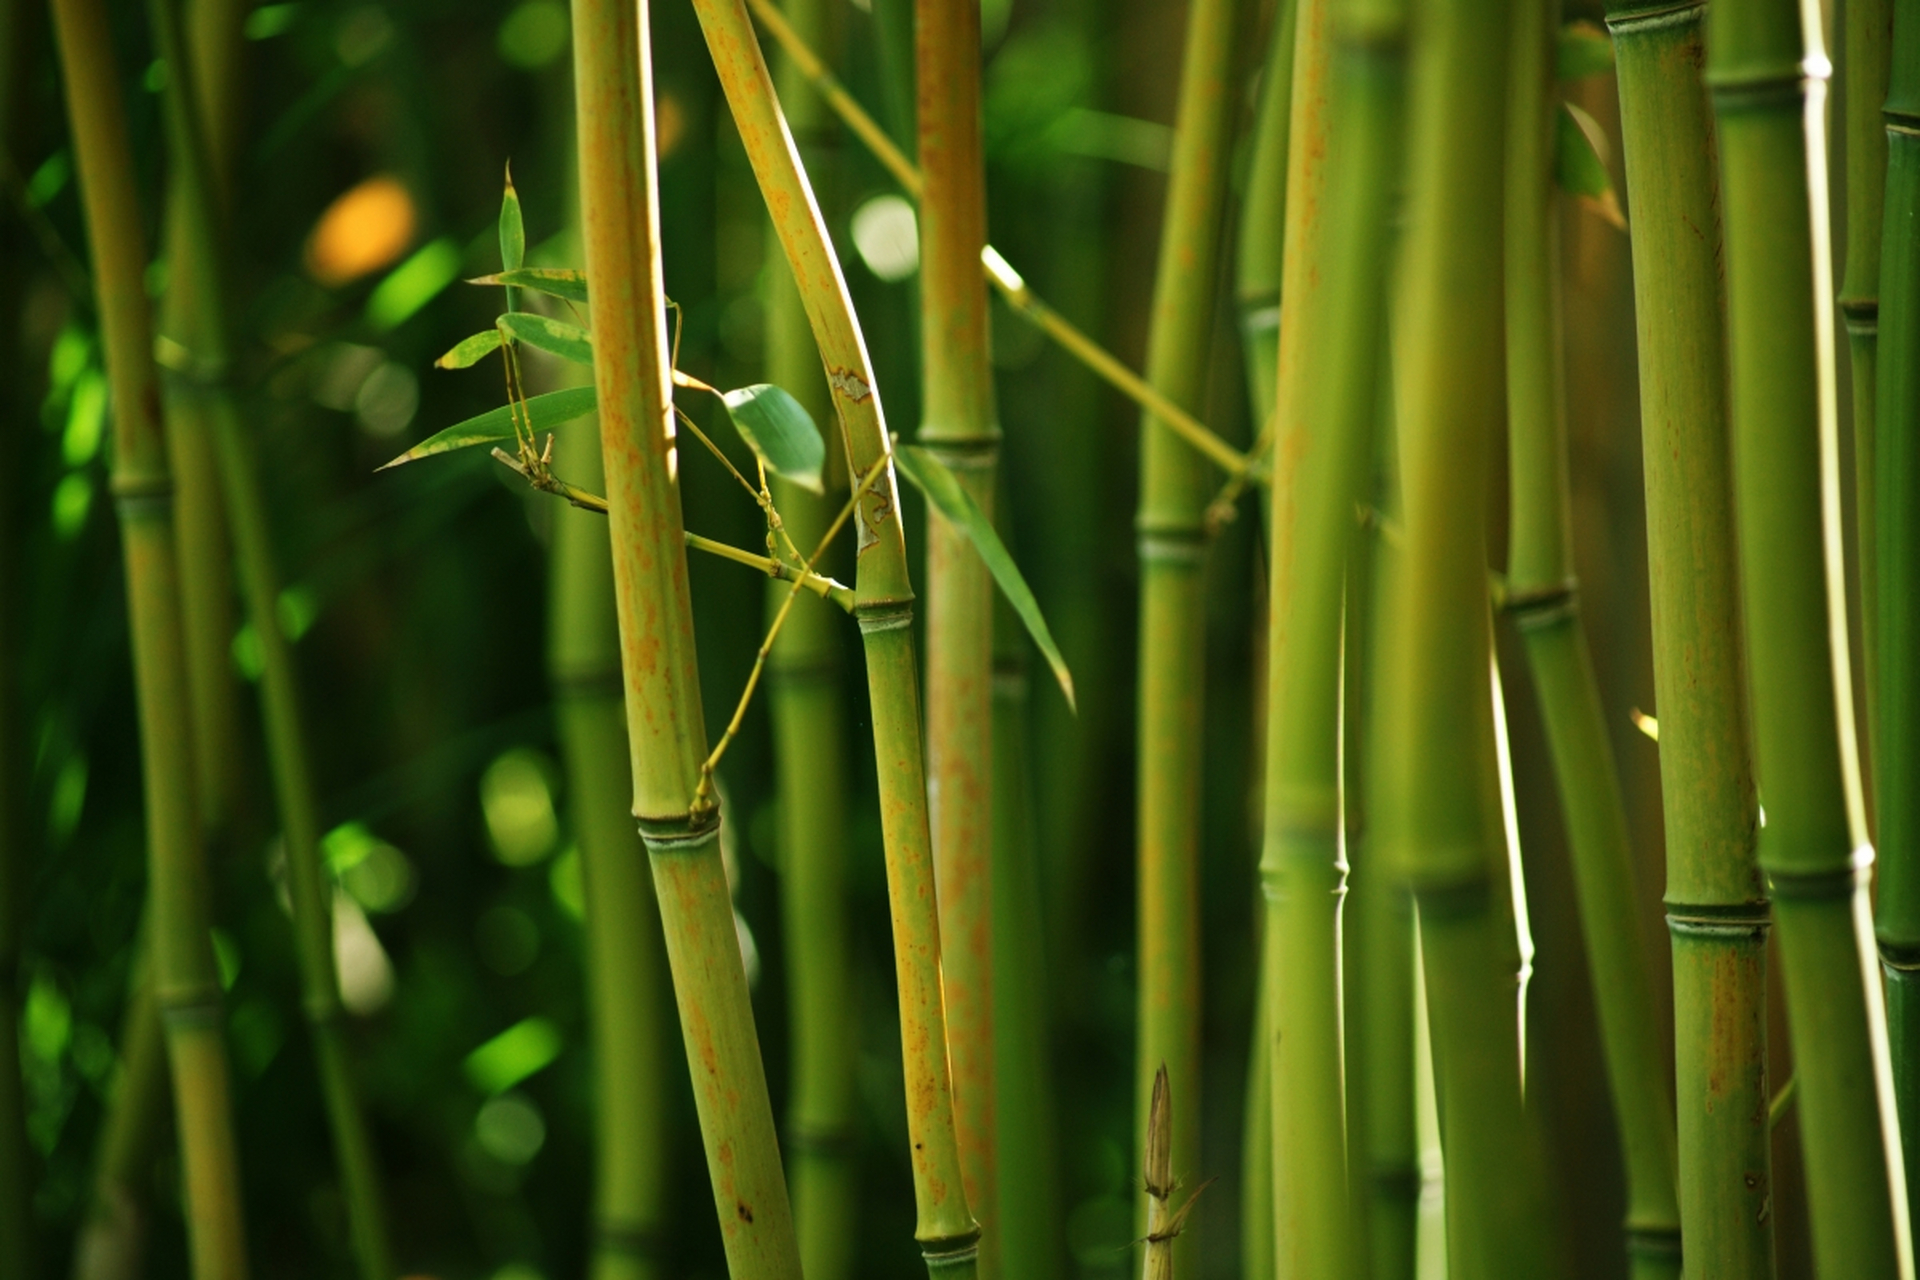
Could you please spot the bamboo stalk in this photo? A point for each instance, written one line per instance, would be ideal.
(946, 1230)
(810, 755)
(1031, 1239)
(1767, 77)
(1174, 491)
(194, 334)
(627, 982)
(1439, 821)
(960, 426)
(1868, 35)
(613, 85)
(1717, 912)
(1542, 598)
(1897, 764)
(186, 987)
(1011, 286)
(111, 1243)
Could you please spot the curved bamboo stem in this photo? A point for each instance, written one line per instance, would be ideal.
(945, 1228)
(1543, 601)
(186, 986)
(1767, 78)
(619, 213)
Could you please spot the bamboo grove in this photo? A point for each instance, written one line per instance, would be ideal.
(1262, 638)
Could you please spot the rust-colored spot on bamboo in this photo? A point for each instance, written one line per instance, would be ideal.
(746, 1214)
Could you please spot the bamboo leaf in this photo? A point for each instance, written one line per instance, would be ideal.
(470, 351)
(560, 282)
(777, 428)
(542, 412)
(557, 337)
(927, 474)
(513, 231)
(1579, 163)
(1584, 50)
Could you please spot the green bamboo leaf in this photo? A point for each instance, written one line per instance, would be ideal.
(568, 341)
(560, 282)
(1579, 164)
(931, 477)
(1584, 50)
(544, 412)
(776, 427)
(470, 351)
(513, 231)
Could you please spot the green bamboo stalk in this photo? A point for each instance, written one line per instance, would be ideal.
(1868, 33)
(1767, 76)
(1897, 764)
(111, 1242)
(1174, 491)
(186, 986)
(960, 426)
(946, 1230)
(1542, 598)
(810, 754)
(613, 85)
(193, 340)
(1717, 912)
(1346, 119)
(1438, 815)
(627, 982)
(1031, 1239)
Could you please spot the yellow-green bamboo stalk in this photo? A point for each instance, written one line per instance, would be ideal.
(619, 214)
(945, 1228)
(810, 754)
(627, 983)
(193, 339)
(111, 1243)
(186, 986)
(959, 425)
(1174, 491)
(1437, 815)
(1868, 35)
(1717, 911)
(1897, 764)
(1542, 598)
(1766, 67)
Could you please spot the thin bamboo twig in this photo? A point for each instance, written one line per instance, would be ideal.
(959, 426)
(1172, 543)
(946, 1230)
(809, 716)
(1766, 69)
(619, 216)
(1717, 913)
(1897, 766)
(999, 272)
(186, 985)
(1542, 599)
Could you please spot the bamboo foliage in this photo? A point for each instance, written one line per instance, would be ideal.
(666, 736)
(186, 987)
(1542, 598)
(809, 724)
(1174, 491)
(1717, 911)
(1765, 70)
(945, 1228)
(960, 429)
(1897, 764)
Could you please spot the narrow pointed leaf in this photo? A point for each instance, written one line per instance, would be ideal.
(469, 351)
(568, 341)
(544, 411)
(1584, 50)
(513, 231)
(931, 477)
(1579, 166)
(776, 427)
(560, 282)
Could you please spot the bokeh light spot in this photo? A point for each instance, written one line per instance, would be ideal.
(365, 229)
